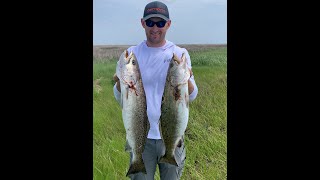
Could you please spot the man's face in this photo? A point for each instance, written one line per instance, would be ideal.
(155, 35)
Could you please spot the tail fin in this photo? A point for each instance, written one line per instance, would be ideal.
(136, 167)
(168, 159)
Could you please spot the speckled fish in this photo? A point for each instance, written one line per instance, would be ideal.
(175, 107)
(134, 109)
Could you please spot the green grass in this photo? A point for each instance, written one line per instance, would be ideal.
(206, 134)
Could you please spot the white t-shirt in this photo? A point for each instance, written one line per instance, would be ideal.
(153, 63)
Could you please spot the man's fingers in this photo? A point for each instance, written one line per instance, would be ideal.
(191, 73)
(115, 77)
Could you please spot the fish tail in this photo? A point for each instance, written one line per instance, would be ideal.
(136, 167)
(168, 159)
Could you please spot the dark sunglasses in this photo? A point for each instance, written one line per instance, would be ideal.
(160, 24)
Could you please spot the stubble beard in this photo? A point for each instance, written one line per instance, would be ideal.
(159, 39)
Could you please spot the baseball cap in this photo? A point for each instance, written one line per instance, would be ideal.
(156, 9)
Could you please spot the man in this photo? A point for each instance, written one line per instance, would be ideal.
(154, 55)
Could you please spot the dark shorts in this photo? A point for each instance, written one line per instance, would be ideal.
(153, 150)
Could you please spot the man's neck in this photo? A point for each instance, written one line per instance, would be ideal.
(156, 45)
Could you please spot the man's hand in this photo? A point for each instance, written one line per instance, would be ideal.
(191, 73)
(190, 85)
(116, 79)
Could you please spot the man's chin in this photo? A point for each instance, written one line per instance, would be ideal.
(155, 38)
(155, 41)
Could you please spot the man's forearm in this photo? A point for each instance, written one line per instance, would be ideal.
(116, 79)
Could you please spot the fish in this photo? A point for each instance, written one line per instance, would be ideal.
(134, 110)
(174, 107)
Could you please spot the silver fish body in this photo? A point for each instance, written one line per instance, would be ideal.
(175, 107)
(134, 110)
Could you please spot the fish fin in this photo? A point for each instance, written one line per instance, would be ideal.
(176, 59)
(127, 147)
(136, 167)
(170, 160)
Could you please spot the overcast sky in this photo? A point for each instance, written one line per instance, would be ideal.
(117, 22)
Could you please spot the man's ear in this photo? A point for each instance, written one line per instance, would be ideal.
(169, 23)
(142, 23)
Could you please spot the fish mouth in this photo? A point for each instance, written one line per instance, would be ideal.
(176, 59)
(130, 83)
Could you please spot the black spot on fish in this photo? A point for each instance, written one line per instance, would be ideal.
(177, 93)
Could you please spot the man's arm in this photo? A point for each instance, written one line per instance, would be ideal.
(190, 84)
(117, 89)
(192, 87)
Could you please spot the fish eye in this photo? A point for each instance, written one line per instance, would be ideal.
(133, 62)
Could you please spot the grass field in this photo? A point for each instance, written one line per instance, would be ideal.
(206, 134)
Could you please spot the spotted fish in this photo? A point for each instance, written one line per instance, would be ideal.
(134, 109)
(174, 107)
